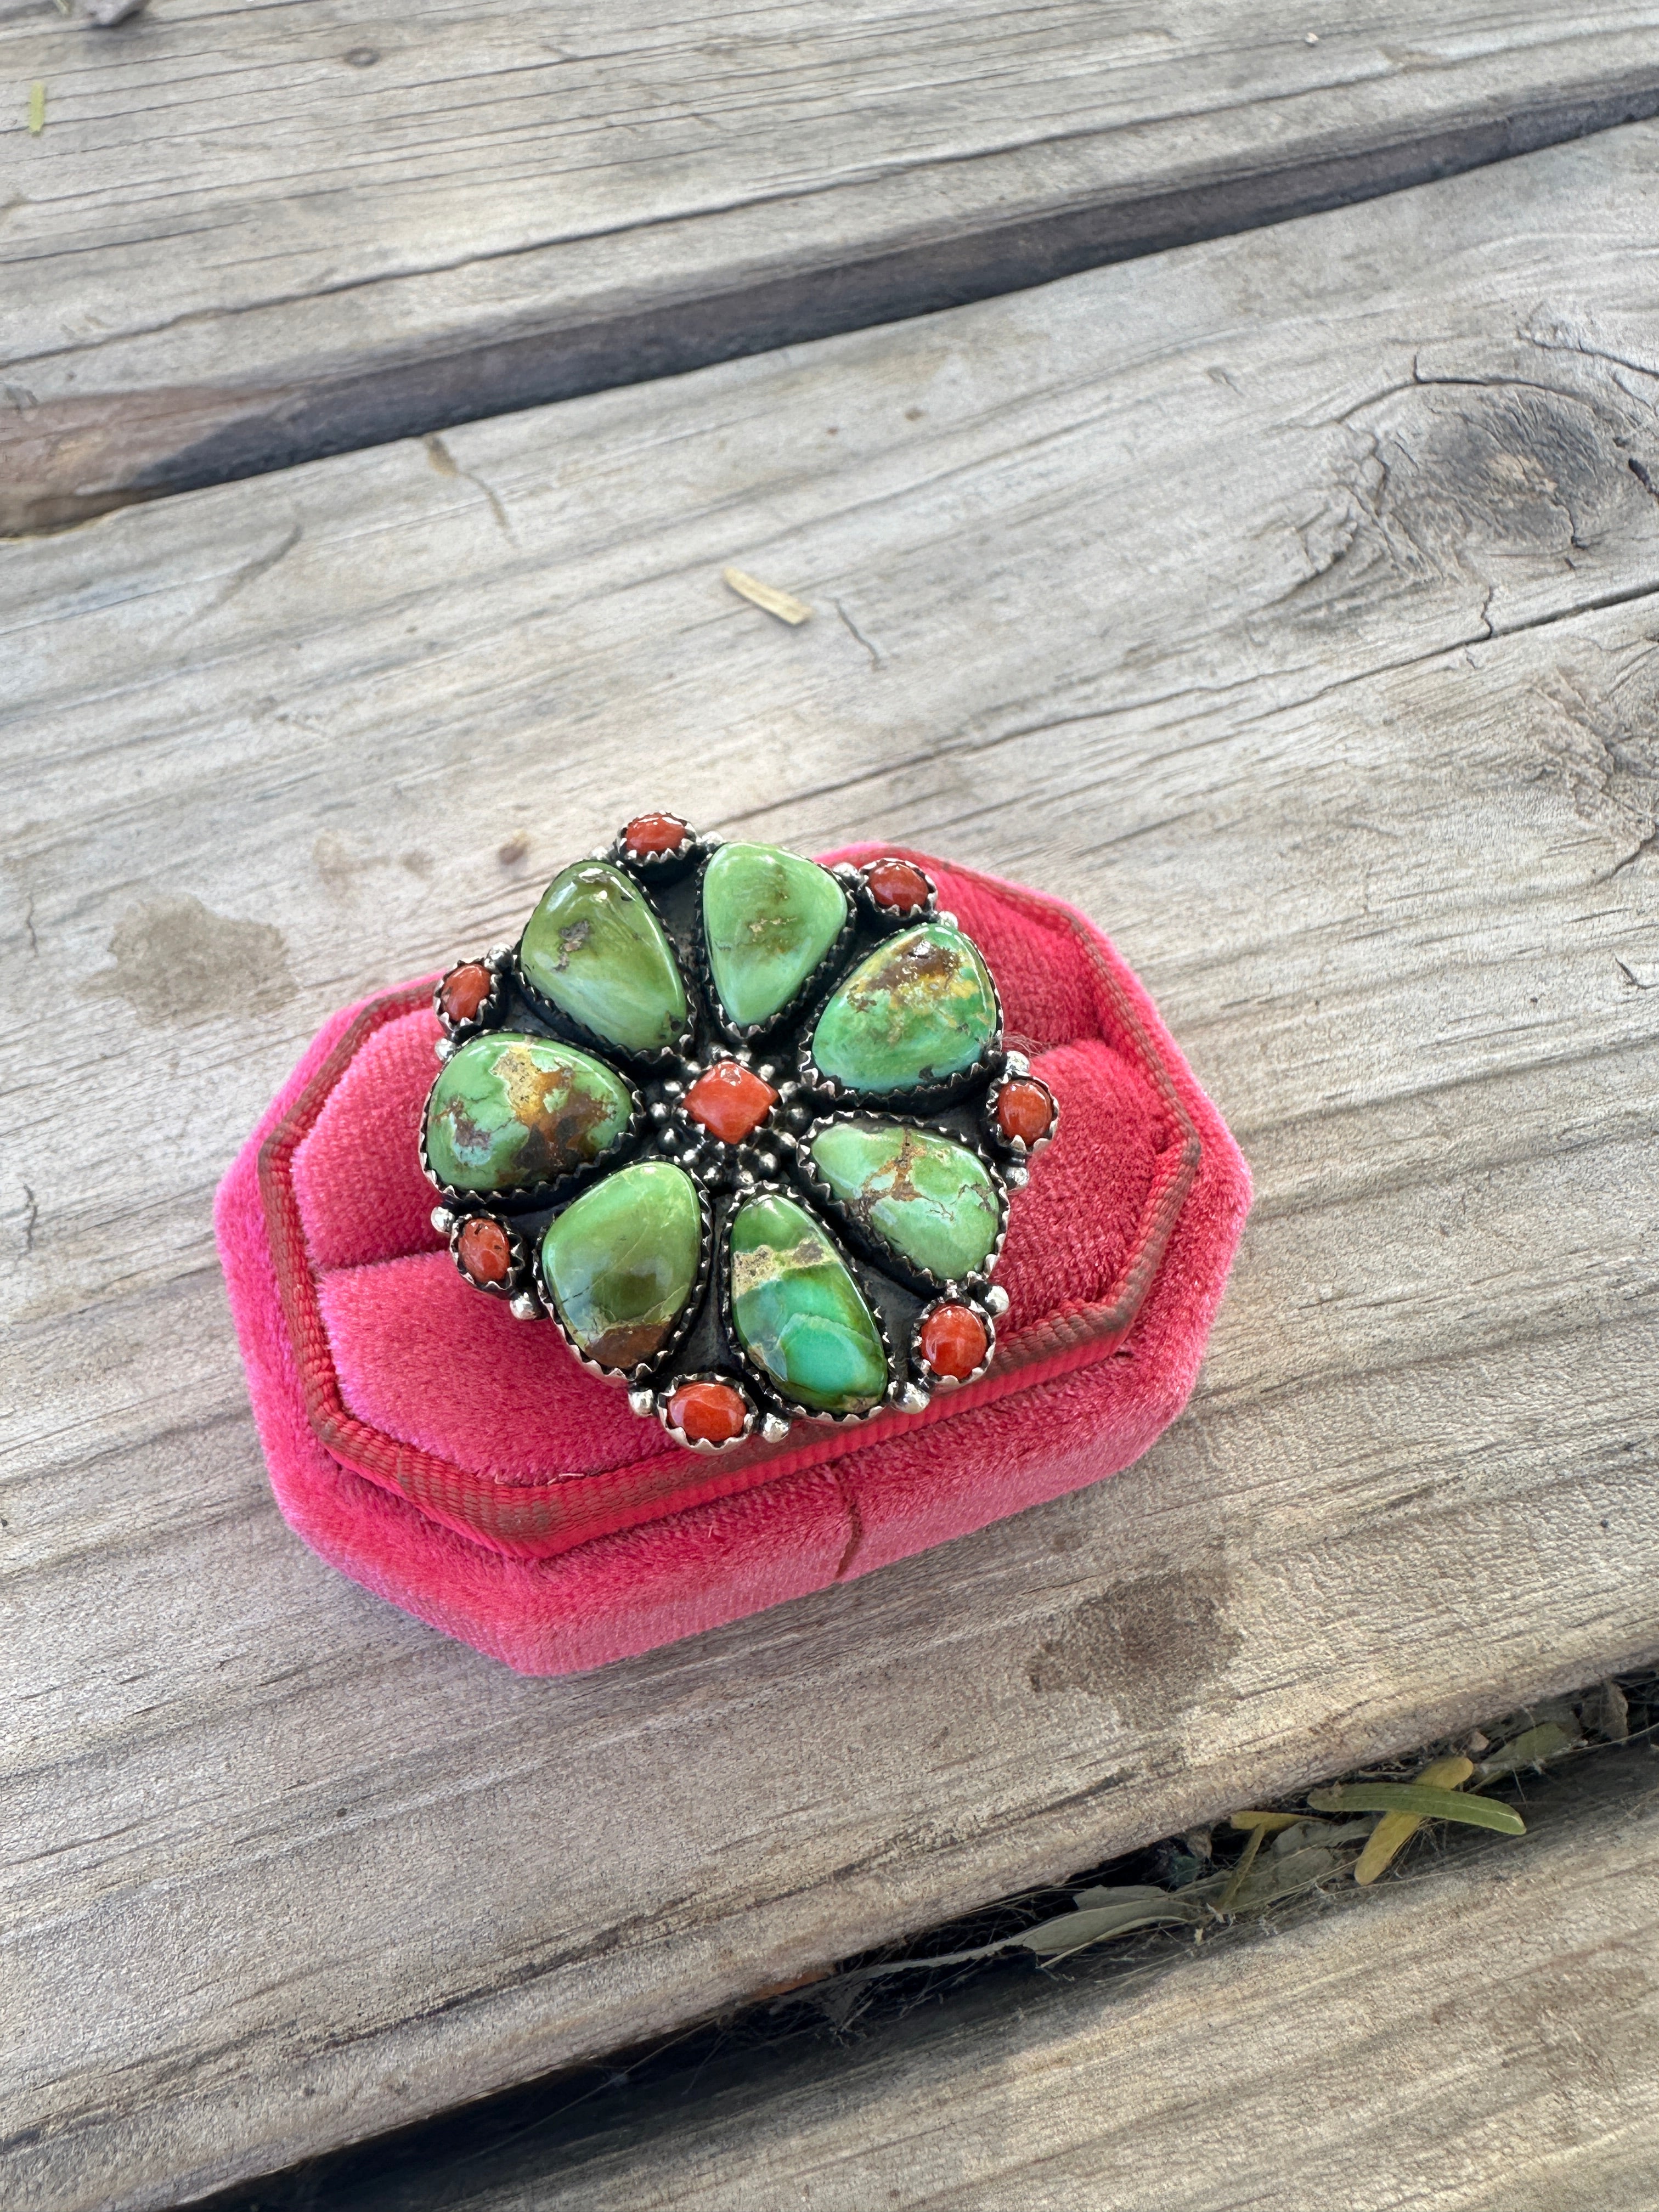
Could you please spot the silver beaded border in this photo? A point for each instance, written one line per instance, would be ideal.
(698, 1149)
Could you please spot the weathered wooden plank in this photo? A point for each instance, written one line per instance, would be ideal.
(1483, 2034)
(1301, 627)
(248, 236)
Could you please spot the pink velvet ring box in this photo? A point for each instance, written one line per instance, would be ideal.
(467, 1469)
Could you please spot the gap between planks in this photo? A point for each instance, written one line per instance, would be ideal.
(1488, 2038)
(1392, 2037)
(248, 238)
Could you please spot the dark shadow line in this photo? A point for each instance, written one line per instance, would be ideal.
(502, 373)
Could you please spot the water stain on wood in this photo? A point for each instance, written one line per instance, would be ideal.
(1152, 1646)
(343, 865)
(175, 960)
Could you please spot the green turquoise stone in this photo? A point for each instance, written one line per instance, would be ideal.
(509, 1112)
(799, 1314)
(932, 1201)
(769, 917)
(595, 948)
(622, 1261)
(919, 1009)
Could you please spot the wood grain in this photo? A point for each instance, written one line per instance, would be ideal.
(1290, 601)
(248, 236)
(1480, 2036)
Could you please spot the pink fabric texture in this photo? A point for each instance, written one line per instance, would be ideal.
(464, 1467)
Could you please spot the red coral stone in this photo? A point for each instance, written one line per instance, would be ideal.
(1024, 1111)
(953, 1341)
(653, 833)
(896, 883)
(730, 1101)
(708, 1412)
(485, 1251)
(464, 990)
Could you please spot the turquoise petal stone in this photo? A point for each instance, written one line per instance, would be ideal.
(769, 917)
(595, 948)
(919, 1009)
(931, 1200)
(622, 1260)
(509, 1112)
(797, 1312)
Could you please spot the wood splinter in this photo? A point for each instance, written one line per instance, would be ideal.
(783, 605)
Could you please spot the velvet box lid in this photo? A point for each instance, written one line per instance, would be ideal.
(464, 1467)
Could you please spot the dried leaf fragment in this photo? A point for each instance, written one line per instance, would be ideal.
(1395, 1830)
(1309, 1831)
(1531, 1748)
(1275, 1879)
(1260, 1826)
(1071, 1931)
(783, 605)
(1246, 1859)
(1607, 1712)
(1428, 1803)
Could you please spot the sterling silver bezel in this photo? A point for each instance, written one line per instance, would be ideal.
(738, 1382)
(577, 1031)
(983, 1313)
(490, 1013)
(886, 1257)
(664, 867)
(988, 1068)
(759, 1377)
(650, 1370)
(785, 1016)
(535, 1198)
(520, 1274)
(1016, 1069)
(693, 1138)
(898, 917)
